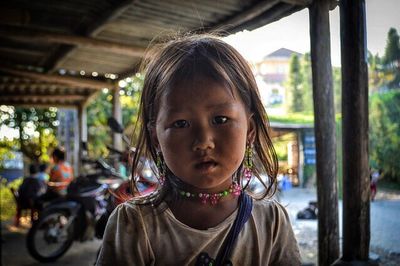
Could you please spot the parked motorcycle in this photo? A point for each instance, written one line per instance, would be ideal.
(75, 216)
(83, 213)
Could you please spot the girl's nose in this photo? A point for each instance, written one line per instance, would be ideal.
(203, 139)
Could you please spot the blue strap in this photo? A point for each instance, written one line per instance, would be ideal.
(244, 212)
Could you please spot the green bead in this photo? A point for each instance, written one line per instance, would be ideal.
(226, 193)
(182, 193)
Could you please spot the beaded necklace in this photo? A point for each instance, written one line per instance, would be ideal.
(212, 198)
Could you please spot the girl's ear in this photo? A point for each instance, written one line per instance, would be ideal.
(251, 131)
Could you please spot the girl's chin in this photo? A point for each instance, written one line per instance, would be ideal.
(210, 186)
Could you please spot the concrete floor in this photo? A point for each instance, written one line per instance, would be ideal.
(14, 252)
(385, 239)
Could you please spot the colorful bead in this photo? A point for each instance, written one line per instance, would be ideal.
(214, 198)
(248, 162)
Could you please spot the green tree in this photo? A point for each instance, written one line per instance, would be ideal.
(98, 111)
(384, 132)
(376, 75)
(391, 58)
(295, 101)
(337, 88)
(36, 128)
(306, 83)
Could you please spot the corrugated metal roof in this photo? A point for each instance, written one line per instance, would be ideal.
(44, 37)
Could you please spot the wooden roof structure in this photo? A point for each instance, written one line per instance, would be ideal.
(62, 53)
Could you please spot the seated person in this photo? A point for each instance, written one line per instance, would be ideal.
(61, 174)
(29, 191)
(43, 175)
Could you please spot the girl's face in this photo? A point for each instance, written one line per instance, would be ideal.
(202, 130)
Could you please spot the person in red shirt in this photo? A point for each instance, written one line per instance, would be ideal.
(61, 173)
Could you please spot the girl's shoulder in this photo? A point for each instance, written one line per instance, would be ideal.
(134, 208)
(270, 210)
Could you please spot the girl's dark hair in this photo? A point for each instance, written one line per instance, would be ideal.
(184, 58)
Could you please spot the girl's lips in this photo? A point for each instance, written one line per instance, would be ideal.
(206, 166)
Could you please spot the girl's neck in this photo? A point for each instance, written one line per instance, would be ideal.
(201, 216)
(202, 208)
(206, 196)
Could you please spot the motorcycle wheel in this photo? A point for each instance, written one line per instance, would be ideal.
(51, 235)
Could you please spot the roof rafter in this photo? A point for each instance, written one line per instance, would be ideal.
(53, 37)
(55, 78)
(247, 15)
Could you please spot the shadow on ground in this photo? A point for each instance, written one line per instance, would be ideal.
(15, 253)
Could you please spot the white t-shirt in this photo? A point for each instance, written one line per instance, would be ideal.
(146, 235)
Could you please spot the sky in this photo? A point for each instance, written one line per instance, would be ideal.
(292, 32)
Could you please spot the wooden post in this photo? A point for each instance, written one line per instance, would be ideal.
(83, 136)
(117, 114)
(75, 153)
(324, 126)
(356, 207)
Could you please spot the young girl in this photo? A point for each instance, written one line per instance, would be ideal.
(204, 126)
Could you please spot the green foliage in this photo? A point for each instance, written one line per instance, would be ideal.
(281, 149)
(309, 172)
(392, 49)
(376, 75)
(385, 133)
(294, 89)
(36, 129)
(385, 71)
(7, 146)
(306, 84)
(7, 201)
(293, 118)
(130, 103)
(99, 134)
(391, 59)
(299, 86)
(337, 88)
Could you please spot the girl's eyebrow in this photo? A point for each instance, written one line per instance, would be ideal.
(224, 105)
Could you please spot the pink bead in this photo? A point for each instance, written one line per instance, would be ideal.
(214, 199)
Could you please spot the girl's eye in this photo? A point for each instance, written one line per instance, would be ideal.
(220, 120)
(180, 124)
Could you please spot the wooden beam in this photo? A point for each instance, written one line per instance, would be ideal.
(12, 16)
(53, 37)
(41, 97)
(38, 105)
(247, 15)
(58, 79)
(325, 130)
(59, 58)
(356, 190)
(298, 2)
(279, 11)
